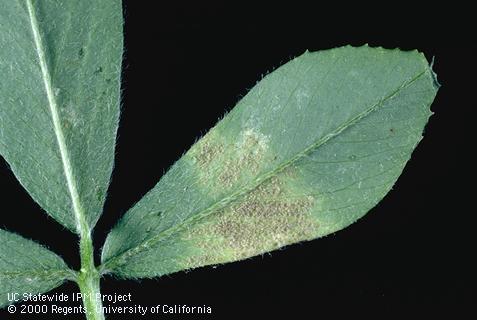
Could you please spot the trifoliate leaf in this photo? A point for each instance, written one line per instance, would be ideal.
(60, 64)
(308, 151)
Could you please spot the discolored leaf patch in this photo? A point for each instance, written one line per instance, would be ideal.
(273, 215)
(222, 161)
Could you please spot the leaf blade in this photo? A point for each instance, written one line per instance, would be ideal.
(58, 118)
(341, 89)
(27, 267)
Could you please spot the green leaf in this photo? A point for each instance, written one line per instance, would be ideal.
(59, 101)
(27, 267)
(309, 150)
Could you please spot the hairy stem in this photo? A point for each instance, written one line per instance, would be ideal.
(88, 281)
(88, 277)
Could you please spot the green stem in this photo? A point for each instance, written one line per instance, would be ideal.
(88, 280)
(88, 277)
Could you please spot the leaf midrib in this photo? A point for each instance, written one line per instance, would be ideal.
(80, 218)
(122, 258)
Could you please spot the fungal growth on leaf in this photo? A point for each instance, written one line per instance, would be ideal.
(308, 151)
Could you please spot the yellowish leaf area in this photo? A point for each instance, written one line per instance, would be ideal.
(275, 213)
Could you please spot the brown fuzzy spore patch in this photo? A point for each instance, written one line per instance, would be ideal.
(207, 149)
(223, 164)
(246, 157)
(269, 217)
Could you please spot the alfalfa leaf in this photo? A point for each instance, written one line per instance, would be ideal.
(27, 267)
(60, 65)
(309, 150)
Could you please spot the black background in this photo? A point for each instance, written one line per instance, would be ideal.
(185, 65)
